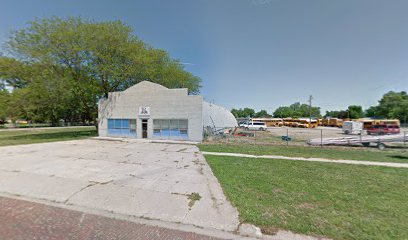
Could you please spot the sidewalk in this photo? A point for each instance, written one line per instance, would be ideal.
(24, 218)
(27, 220)
(356, 162)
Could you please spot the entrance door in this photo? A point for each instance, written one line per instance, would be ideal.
(144, 128)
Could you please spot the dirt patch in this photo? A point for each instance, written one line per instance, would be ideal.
(298, 136)
(277, 190)
(269, 230)
(193, 197)
(307, 206)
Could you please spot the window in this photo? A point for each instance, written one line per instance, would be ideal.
(174, 127)
(167, 128)
(183, 126)
(122, 127)
(133, 126)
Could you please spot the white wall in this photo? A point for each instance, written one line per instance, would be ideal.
(164, 103)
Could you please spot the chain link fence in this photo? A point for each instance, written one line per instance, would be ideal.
(321, 136)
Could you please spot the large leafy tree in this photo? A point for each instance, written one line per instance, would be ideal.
(297, 110)
(66, 65)
(333, 114)
(283, 112)
(355, 112)
(373, 112)
(4, 102)
(391, 105)
(243, 113)
(14, 72)
(262, 114)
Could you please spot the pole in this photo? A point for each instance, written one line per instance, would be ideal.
(287, 136)
(361, 135)
(321, 137)
(405, 137)
(310, 108)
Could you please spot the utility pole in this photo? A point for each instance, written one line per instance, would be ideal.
(310, 109)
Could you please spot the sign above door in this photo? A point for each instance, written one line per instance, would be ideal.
(144, 111)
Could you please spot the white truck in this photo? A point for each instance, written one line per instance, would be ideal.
(254, 126)
(351, 127)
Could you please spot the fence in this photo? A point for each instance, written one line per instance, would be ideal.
(321, 136)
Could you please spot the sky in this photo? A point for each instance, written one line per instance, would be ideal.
(261, 53)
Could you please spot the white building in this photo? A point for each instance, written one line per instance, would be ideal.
(149, 110)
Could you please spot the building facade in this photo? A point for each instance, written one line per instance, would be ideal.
(149, 110)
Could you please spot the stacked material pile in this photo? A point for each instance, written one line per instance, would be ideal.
(358, 140)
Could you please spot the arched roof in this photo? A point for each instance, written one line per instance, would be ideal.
(217, 116)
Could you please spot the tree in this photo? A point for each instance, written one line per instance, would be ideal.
(248, 112)
(67, 65)
(262, 114)
(373, 112)
(235, 112)
(297, 110)
(4, 102)
(19, 105)
(332, 114)
(243, 113)
(355, 112)
(343, 114)
(283, 112)
(392, 105)
(14, 72)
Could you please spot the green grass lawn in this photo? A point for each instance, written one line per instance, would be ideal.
(392, 155)
(27, 136)
(325, 199)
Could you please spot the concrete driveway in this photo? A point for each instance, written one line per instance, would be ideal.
(135, 178)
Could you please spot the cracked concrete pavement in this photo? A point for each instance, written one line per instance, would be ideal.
(134, 178)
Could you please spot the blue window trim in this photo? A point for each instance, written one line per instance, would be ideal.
(167, 133)
(121, 128)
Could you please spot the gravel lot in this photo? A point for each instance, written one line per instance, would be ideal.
(304, 134)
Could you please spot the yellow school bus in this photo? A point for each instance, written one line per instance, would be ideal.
(387, 121)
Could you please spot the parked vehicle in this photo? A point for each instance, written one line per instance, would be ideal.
(351, 127)
(243, 124)
(382, 129)
(255, 126)
(270, 122)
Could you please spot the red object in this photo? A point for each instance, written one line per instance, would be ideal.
(383, 129)
(27, 220)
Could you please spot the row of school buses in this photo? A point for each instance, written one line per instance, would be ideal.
(328, 122)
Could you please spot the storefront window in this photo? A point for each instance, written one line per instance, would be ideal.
(167, 128)
(122, 127)
(183, 125)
